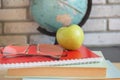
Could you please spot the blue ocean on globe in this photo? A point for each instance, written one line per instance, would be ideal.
(53, 14)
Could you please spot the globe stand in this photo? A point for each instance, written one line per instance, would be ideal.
(44, 31)
(85, 18)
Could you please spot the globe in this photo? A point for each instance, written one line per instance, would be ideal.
(53, 14)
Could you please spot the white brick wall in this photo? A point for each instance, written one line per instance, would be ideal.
(20, 27)
(0, 28)
(114, 24)
(102, 39)
(114, 1)
(91, 25)
(0, 3)
(42, 38)
(5, 40)
(102, 11)
(12, 14)
(101, 29)
(15, 3)
(99, 1)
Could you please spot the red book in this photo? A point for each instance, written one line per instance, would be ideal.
(45, 54)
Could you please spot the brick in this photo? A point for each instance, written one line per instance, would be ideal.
(114, 1)
(42, 38)
(12, 14)
(6, 40)
(0, 28)
(95, 25)
(20, 27)
(114, 24)
(102, 39)
(0, 3)
(105, 11)
(15, 3)
(99, 1)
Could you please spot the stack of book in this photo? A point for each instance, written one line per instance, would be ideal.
(85, 70)
(35, 62)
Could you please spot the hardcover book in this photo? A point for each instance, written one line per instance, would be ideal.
(112, 73)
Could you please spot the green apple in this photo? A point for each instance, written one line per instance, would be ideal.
(70, 37)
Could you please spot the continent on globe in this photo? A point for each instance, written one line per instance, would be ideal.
(64, 19)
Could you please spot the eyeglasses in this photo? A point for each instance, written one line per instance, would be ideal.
(42, 50)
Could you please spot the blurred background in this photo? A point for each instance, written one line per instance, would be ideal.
(102, 29)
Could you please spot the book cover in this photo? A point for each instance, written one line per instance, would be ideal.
(46, 57)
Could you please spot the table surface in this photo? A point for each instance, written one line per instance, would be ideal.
(116, 64)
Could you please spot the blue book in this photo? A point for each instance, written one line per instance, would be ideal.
(112, 72)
